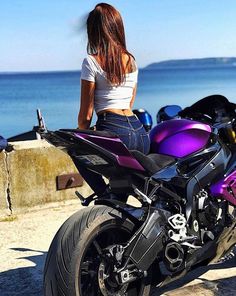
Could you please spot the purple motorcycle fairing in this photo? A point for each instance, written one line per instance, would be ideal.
(225, 188)
(116, 147)
(179, 137)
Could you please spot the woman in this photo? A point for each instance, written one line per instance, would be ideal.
(108, 85)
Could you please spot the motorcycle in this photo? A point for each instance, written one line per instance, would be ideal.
(187, 218)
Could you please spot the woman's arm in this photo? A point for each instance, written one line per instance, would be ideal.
(86, 104)
(133, 97)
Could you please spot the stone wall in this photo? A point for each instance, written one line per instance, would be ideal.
(29, 174)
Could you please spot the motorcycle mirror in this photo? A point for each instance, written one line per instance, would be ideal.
(168, 112)
(144, 117)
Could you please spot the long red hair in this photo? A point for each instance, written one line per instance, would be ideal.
(106, 39)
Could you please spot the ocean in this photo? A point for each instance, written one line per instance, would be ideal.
(57, 94)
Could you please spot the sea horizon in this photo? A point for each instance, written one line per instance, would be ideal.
(148, 66)
(57, 94)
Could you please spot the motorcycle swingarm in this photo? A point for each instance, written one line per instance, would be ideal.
(148, 241)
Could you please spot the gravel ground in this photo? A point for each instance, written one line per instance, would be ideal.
(25, 240)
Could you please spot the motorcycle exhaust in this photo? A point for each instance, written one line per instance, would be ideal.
(174, 256)
(145, 247)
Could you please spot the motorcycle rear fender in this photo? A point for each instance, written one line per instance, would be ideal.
(105, 155)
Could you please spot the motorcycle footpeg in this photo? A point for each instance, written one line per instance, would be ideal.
(85, 201)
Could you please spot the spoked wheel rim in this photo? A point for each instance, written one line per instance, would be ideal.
(92, 262)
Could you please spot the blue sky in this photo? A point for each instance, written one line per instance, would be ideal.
(43, 35)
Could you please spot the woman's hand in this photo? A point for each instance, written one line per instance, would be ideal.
(86, 104)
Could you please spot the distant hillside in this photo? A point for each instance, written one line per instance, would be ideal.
(194, 63)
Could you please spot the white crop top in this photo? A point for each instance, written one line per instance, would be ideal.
(108, 96)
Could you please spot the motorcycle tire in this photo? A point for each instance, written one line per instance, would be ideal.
(73, 259)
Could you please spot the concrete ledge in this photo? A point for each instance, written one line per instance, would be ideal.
(3, 181)
(29, 175)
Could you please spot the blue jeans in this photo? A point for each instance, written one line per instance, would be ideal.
(131, 132)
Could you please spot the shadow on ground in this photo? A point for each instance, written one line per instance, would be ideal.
(224, 286)
(25, 281)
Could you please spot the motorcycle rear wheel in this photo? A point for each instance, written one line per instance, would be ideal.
(73, 261)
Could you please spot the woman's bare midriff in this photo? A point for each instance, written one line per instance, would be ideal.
(125, 112)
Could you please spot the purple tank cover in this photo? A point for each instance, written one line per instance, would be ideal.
(179, 137)
(116, 147)
(226, 188)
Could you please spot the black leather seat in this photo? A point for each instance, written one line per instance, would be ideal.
(152, 162)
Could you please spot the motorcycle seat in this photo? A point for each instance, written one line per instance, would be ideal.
(153, 162)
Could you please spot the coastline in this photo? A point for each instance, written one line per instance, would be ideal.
(198, 63)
